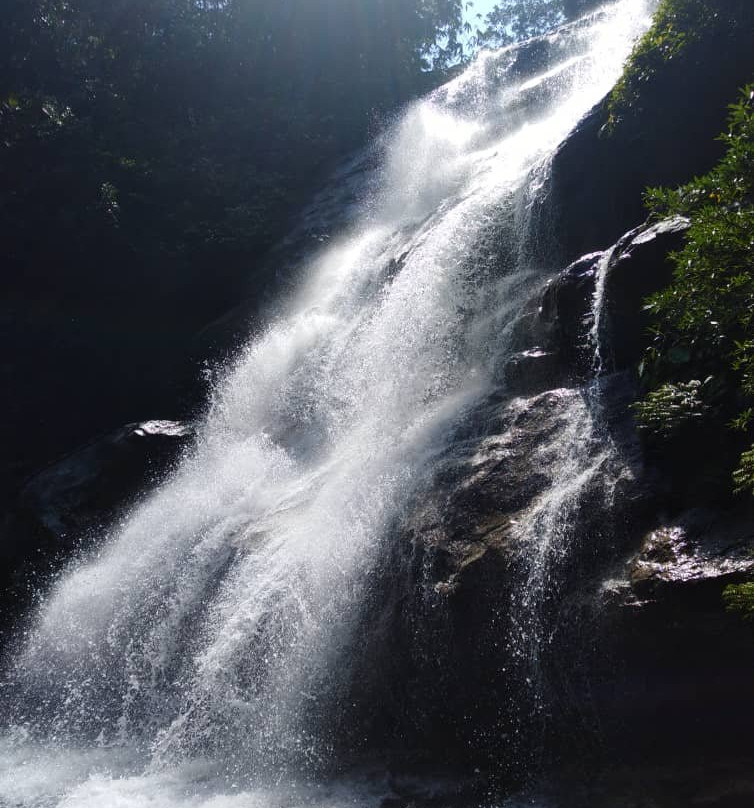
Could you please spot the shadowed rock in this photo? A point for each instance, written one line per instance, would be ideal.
(60, 507)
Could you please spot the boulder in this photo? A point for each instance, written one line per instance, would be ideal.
(638, 267)
(554, 334)
(566, 307)
(62, 505)
(86, 486)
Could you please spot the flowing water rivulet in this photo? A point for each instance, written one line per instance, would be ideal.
(191, 657)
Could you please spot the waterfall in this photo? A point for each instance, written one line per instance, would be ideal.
(197, 654)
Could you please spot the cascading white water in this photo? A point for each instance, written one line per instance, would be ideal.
(194, 656)
(584, 460)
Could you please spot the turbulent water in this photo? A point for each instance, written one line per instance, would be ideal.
(196, 655)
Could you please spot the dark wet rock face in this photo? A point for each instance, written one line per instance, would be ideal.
(485, 487)
(554, 334)
(638, 267)
(566, 312)
(599, 176)
(511, 536)
(551, 336)
(679, 662)
(678, 781)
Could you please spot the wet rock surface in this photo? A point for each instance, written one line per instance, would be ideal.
(486, 486)
(674, 659)
(566, 313)
(638, 267)
(555, 334)
(700, 546)
(712, 781)
(669, 137)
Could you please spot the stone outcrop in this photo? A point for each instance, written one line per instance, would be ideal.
(62, 505)
(699, 547)
(599, 176)
(677, 661)
(638, 267)
(554, 335)
(85, 486)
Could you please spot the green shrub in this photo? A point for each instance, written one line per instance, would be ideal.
(704, 321)
(665, 411)
(740, 598)
(743, 476)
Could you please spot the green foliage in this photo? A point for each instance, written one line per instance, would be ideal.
(706, 315)
(170, 138)
(743, 476)
(664, 412)
(740, 598)
(514, 20)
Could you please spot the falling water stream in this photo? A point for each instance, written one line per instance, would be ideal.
(194, 655)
